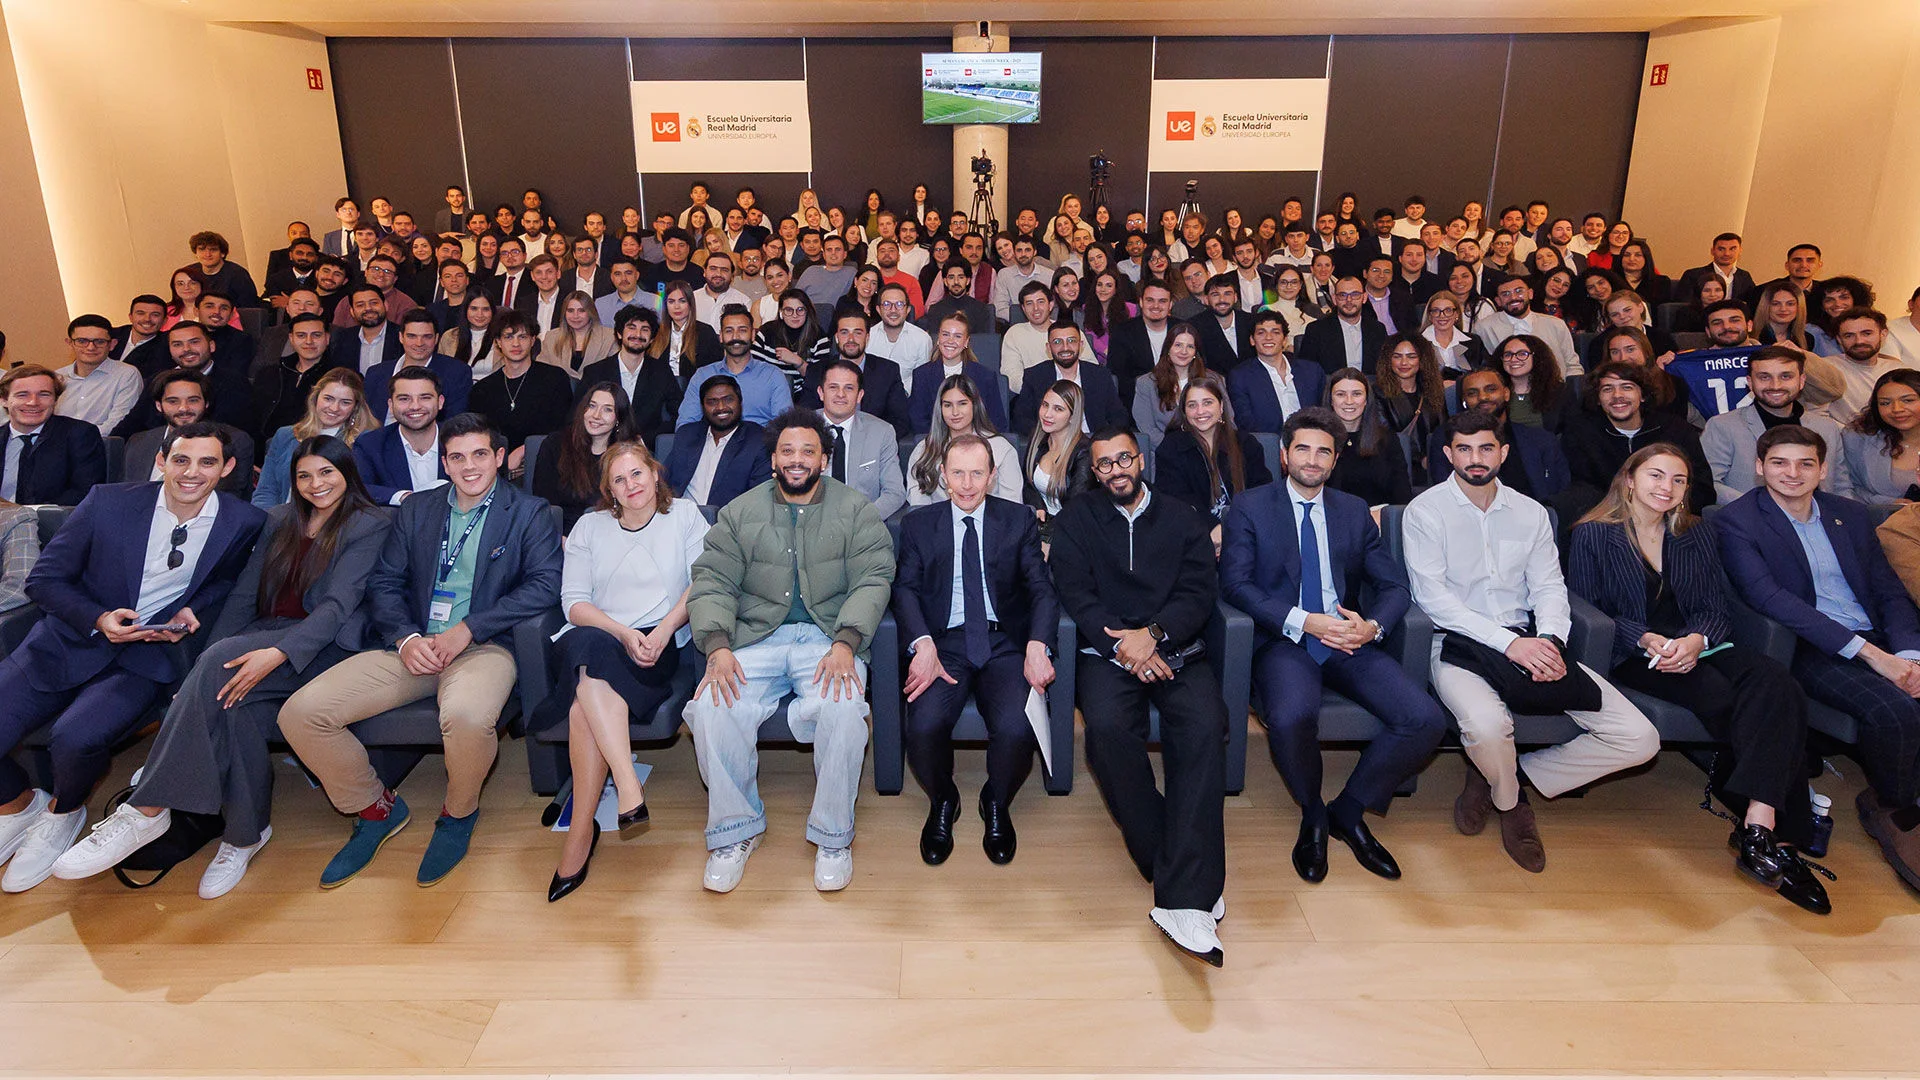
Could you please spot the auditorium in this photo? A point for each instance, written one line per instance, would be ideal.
(1120, 539)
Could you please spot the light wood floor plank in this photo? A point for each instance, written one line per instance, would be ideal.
(1877, 974)
(1666, 1037)
(109, 915)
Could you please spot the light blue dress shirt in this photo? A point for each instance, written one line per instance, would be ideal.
(957, 611)
(1296, 624)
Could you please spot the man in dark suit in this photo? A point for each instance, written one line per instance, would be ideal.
(1811, 561)
(1352, 337)
(140, 341)
(418, 336)
(1535, 465)
(976, 606)
(404, 457)
(1308, 564)
(236, 346)
(129, 577)
(458, 572)
(181, 397)
(1725, 265)
(1224, 329)
(45, 457)
(956, 278)
(510, 286)
(653, 393)
(1099, 397)
(1412, 286)
(1135, 345)
(587, 275)
(886, 396)
(1269, 388)
(303, 258)
(371, 340)
(720, 456)
(280, 389)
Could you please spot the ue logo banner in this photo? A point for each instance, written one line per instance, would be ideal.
(1180, 126)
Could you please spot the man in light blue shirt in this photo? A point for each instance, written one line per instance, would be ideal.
(764, 391)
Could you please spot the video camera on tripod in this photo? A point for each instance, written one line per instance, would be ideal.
(982, 208)
(982, 169)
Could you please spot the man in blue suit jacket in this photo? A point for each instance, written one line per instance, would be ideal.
(417, 340)
(1811, 561)
(388, 457)
(743, 459)
(45, 457)
(132, 555)
(1536, 466)
(1296, 556)
(977, 611)
(458, 572)
(1256, 401)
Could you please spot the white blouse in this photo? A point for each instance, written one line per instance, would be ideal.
(634, 576)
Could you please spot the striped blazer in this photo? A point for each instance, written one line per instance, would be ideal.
(1606, 570)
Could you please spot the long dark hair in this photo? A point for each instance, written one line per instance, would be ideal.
(1103, 318)
(463, 347)
(779, 335)
(1226, 439)
(1166, 377)
(1372, 429)
(578, 472)
(1870, 422)
(1545, 383)
(279, 572)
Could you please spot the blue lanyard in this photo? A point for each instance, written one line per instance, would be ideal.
(448, 558)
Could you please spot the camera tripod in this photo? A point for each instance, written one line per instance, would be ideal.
(982, 209)
(1191, 204)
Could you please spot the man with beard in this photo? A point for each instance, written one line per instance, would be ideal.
(956, 279)
(404, 457)
(1862, 333)
(717, 292)
(885, 395)
(382, 272)
(652, 391)
(1007, 284)
(276, 341)
(1137, 574)
(863, 452)
(624, 273)
(1514, 299)
(1776, 376)
(280, 391)
(1536, 466)
(228, 393)
(886, 258)
(719, 456)
(764, 390)
(1484, 567)
(785, 599)
(372, 340)
(303, 258)
(1069, 359)
(1351, 339)
(894, 337)
(138, 342)
(1225, 328)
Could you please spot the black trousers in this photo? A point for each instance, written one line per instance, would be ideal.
(999, 688)
(1289, 683)
(1177, 840)
(1753, 704)
(1889, 750)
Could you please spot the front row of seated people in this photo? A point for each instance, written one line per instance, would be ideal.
(332, 610)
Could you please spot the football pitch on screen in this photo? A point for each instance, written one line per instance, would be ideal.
(943, 108)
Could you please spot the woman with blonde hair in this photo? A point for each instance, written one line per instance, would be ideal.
(578, 339)
(337, 406)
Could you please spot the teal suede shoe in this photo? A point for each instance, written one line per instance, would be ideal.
(451, 835)
(367, 839)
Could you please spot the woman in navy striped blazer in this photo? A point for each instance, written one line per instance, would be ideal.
(1641, 558)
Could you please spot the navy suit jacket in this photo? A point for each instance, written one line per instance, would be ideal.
(1098, 394)
(1768, 566)
(925, 398)
(1544, 462)
(1322, 344)
(885, 395)
(1256, 407)
(744, 464)
(456, 382)
(94, 565)
(516, 576)
(1260, 559)
(383, 463)
(1019, 586)
(69, 458)
(343, 348)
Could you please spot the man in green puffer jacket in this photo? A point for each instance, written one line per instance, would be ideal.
(786, 599)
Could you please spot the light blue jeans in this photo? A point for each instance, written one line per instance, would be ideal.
(726, 739)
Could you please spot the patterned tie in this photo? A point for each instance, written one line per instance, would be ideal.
(1311, 583)
(973, 593)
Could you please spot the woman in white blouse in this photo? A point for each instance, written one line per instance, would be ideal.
(623, 589)
(961, 413)
(1459, 351)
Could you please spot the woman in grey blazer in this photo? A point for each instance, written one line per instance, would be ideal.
(296, 611)
(1883, 443)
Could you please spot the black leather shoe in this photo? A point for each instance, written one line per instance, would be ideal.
(1800, 885)
(1755, 855)
(1310, 852)
(936, 836)
(636, 816)
(561, 886)
(1370, 853)
(999, 839)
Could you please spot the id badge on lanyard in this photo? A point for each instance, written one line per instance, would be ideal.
(440, 608)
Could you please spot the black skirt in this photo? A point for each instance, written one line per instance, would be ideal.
(645, 689)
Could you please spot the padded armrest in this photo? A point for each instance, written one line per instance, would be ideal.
(1591, 640)
(1230, 644)
(1061, 696)
(1752, 630)
(888, 722)
(1411, 643)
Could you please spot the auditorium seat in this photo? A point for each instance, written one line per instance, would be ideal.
(1270, 451)
(526, 462)
(117, 459)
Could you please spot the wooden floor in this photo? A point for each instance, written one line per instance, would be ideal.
(1638, 950)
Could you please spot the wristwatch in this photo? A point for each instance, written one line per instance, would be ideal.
(1379, 632)
(1155, 632)
(1557, 642)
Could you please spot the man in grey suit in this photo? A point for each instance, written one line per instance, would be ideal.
(1776, 375)
(181, 397)
(863, 453)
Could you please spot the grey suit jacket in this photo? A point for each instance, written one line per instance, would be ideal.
(873, 463)
(1871, 470)
(1729, 439)
(336, 611)
(143, 446)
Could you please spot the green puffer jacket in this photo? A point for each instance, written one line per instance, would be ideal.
(743, 581)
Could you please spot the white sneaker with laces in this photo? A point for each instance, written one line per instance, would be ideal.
(229, 865)
(1192, 930)
(119, 835)
(727, 865)
(14, 827)
(1219, 911)
(49, 839)
(833, 869)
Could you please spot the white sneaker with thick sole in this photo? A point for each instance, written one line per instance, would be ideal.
(229, 865)
(14, 827)
(727, 865)
(49, 839)
(119, 835)
(1192, 930)
(832, 868)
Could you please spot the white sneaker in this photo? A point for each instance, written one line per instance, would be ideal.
(229, 865)
(49, 839)
(1192, 930)
(833, 868)
(726, 866)
(122, 833)
(14, 827)
(1219, 911)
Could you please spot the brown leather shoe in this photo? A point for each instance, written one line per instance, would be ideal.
(1900, 847)
(1873, 816)
(1475, 804)
(1520, 835)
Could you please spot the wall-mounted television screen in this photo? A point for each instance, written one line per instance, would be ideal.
(980, 88)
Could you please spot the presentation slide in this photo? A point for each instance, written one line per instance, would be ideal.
(980, 88)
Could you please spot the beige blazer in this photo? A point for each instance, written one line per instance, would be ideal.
(556, 348)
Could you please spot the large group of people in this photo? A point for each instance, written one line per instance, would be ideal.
(738, 440)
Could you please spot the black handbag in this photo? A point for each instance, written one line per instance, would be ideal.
(186, 834)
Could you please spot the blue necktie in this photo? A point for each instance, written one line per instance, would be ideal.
(973, 595)
(1311, 583)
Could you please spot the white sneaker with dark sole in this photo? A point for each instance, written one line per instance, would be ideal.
(1192, 930)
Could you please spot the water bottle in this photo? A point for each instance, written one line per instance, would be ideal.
(1822, 825)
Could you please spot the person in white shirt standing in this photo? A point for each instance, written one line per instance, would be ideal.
(1514, 299)
(98, 389)
(1483, 565)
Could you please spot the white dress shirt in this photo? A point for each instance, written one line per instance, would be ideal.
(422, 468)
(706, 307)
(1452, 356)
(912, 350)
(103, 398)
(1284, 390)
(702, 482)
(546, 311)
(957, 610)
(1296, 624)
(162, 588)
(1479, 572)
(1350, 336)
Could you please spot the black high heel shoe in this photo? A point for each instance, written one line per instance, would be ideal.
(636, 816)
(561, 886)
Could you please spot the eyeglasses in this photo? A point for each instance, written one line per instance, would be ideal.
(1122, 460)
(90, 342)
(175, 556)
(1348, 295)
(892, 305)
(1517, 354)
